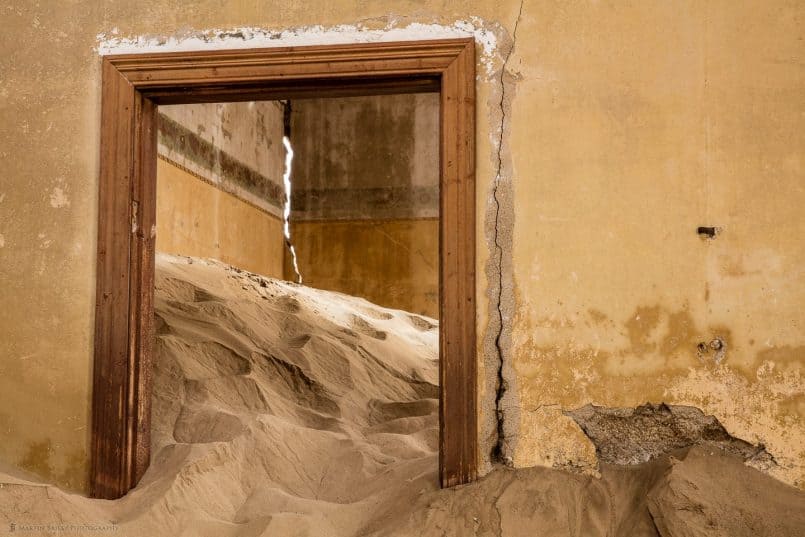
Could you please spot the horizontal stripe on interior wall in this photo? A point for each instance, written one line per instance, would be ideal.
(181, 141)
(397, 202)
(219, 186)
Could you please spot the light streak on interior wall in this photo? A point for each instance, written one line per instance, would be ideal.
(286, 214)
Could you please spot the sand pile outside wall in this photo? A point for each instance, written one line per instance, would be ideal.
(281, 410)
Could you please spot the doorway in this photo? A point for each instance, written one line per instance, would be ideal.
(133, 87)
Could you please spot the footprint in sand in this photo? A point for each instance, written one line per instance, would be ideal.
(206, 359)
(361, 325)
(184, 291)
(201, 425)
(297, 342)
(202, 295)
(296, 384)
(376, 314)
(288, 304)
(161, 327)
(384, 411)
(422, 323)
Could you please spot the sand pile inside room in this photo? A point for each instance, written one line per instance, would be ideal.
(281, 410)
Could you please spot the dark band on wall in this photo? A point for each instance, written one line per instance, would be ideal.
(179, 140)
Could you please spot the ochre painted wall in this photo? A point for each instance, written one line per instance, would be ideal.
(618, 128)
(365, 198)
(632, 124)
(198, 219)
(394, 263)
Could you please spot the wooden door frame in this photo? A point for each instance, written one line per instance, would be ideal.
(132, 88)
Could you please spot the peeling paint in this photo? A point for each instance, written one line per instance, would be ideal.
(249, 37)
(660, 356)
(755, 409)
(58, 199)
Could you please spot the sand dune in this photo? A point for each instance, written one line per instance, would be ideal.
(281, 410)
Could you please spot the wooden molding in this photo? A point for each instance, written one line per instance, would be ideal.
(132, 88)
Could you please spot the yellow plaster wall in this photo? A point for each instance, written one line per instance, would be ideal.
(653, 119)
(365, 198)
(393, 263)
(197, 219)
(627, 125)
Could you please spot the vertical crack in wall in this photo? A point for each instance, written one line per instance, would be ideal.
(501, 451)
(286, 181)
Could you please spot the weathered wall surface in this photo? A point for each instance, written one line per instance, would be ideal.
(625, 126)
(236, 147)
(365, 198)
(394, 263)
(219, 183)
(645, 121)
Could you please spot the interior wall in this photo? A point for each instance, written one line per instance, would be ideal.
(365, 198)
(219, 184)
(388, 262)
(606, 136)
(644, 122)
(197, 219)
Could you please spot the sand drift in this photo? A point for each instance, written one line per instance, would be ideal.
(281, 410)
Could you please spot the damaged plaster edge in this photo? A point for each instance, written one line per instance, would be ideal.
(112, 42)
(500, 273)
(635, 435)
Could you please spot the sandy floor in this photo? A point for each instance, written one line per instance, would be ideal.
(286, 411)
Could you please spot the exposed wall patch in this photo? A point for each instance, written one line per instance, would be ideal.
(637, 435)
